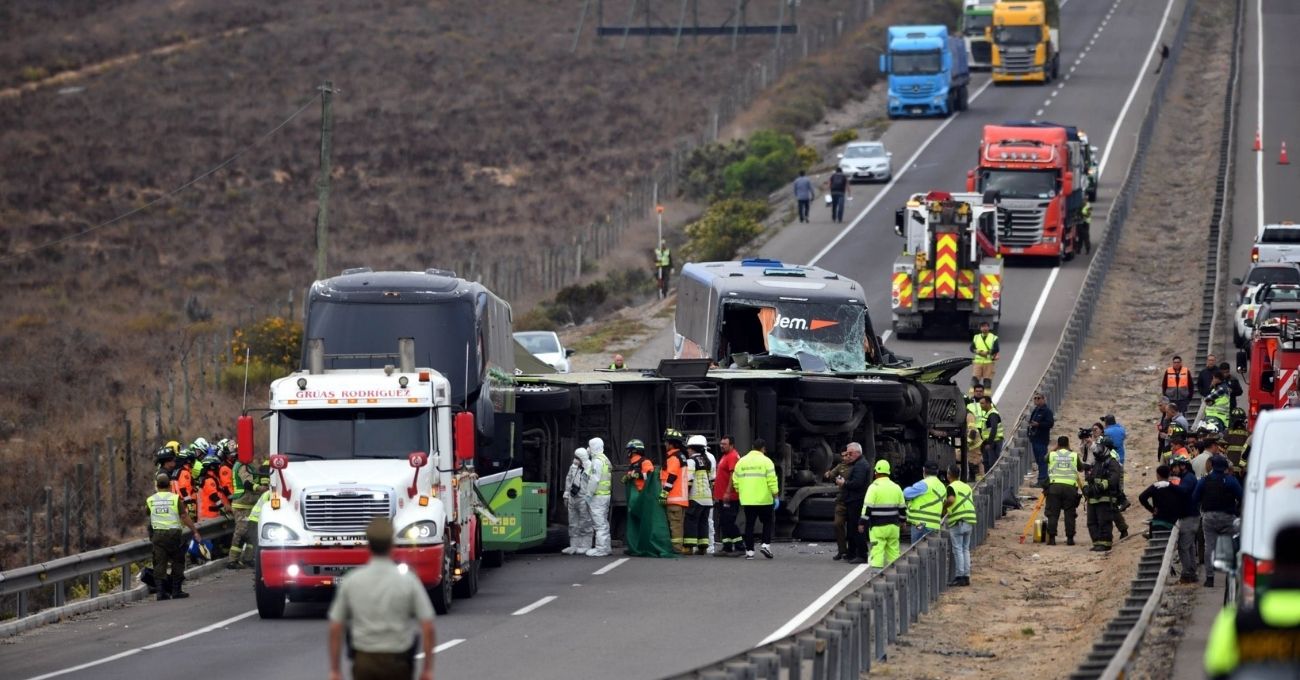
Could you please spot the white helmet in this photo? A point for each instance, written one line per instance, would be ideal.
(698, 440)
(596, 445)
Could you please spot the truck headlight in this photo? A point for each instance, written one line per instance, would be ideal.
(419, 532)
(278, 533)
(893, 101)
(938, 100)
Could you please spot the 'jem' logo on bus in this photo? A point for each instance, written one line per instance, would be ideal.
(795, 323)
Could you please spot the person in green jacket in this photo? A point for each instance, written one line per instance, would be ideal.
(1263, 640)
(882, 511)
(755, 482)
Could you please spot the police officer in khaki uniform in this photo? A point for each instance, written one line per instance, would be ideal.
(165, 522)
(380, 605)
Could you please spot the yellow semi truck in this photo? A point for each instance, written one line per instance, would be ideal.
(1026, 42)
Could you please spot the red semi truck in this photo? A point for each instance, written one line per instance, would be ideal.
(1029, 169)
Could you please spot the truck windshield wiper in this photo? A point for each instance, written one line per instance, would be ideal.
(304, 455)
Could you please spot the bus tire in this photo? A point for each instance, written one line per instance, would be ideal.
(827, 411)
(825, 389)
(815, 531)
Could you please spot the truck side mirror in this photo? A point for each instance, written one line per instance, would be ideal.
(900, 219)
(1225, 555)
(970, 180)
(569, 352)
(463, 436)
(244, 438)
(1236, 281)
(884, 63)
(418, 459)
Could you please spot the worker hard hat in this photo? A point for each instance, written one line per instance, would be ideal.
(163, 455)
(882, 467)
(635, 445)
(174, 445)
(698, 440)
(673, 434)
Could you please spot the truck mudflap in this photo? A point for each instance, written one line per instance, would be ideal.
(318, 567)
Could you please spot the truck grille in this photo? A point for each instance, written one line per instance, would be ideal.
(345, 512)
(1023, 227)
(1018, 62)
(981, 51)
(917, 89)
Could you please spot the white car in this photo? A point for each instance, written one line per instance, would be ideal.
(545, 345)
(1255, 297)
(867, 162)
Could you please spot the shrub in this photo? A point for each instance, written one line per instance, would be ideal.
(259, 373)
(535, 319)
(701, 175)
(724, 228)
(273, 341)
(843, 137)
(807, 156)
(32, 74)
(770, 161)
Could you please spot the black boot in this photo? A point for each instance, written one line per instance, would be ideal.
(1069, 540)
(177, 593)
(1051, 540)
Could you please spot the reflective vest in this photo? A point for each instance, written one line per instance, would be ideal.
(926, 509)
(1064, 468)
(210, 497)
(673, 477)
(963, 508)
(701, 489)
(1263, 638)
(226, 475)
(642, 466)
(755, 479)
(256, 514)
(602, 486)
(1236, 440)
(1218, 405)
(884, 502)
(240, 498)
(1001, 432)
(164, 511)
(663, 257)
(975, 421)
(1180, 387)
(984, 344)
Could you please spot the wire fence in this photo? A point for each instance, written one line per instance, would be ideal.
(551, 268)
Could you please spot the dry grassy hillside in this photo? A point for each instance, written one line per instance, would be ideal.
(459, 127)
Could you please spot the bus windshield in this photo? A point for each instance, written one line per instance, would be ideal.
(834, 333)
(346, 433)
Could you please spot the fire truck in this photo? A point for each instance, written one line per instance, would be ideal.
(1274, 354)
(950, 269)
(1028, 169)
(348, 446)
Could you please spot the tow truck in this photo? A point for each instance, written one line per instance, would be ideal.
(350, 445)
(950, 269)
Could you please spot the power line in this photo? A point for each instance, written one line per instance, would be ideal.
(204, 175)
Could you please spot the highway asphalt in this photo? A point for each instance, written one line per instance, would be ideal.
(652, 618)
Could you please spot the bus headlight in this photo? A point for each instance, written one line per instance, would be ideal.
(278, 533)
(419, 532)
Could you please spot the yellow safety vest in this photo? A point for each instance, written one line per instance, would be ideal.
(663, 257)
(602, 486)
(983, 344)
(1064, 468)
(1001, 432)
(926, 509)
(963, 509)
(755, 479)
(883, 503)
(701, 489)
(164, 511)
(256, 514)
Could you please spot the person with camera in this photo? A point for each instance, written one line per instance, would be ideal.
(1102, 491)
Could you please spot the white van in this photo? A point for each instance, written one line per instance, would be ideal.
(1272, 496)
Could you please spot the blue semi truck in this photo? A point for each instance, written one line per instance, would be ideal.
(928, 69)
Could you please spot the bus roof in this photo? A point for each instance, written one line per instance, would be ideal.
(365, 285)
(772, 279)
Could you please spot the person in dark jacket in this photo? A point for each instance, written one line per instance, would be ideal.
(1234, 385)
(1102, 491)
(1218, 495)
(1189, 524)
(1163, 501)
(854, 486)
(1041, 420)
(1203, 378)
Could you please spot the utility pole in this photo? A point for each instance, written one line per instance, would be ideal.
(323, 182)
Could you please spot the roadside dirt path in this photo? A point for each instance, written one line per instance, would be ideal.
(1033, 610)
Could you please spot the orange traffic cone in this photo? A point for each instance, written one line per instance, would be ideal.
(1282, 159)
(1259, 143)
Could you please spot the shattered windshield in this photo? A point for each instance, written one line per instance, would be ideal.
(833, 333)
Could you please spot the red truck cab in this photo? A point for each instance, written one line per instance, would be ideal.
(1028, 168)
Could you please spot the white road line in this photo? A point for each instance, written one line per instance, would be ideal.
(884, 337)
(1101, 169)
(897, 176)
(1259, 117)
(609, 567)
(802, 617)
(1038, 112)
(540, 603)
(156, 645)
(442, 647)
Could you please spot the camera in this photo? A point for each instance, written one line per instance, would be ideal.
(1085, 433)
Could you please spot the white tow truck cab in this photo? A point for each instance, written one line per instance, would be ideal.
(347, 446)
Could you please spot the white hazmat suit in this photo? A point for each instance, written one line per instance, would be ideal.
(598, 500)
(576, 495)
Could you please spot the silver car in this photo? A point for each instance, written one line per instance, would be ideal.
(867, 162)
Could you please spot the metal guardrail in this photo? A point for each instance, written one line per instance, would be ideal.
(857, 630)
(88, 565)
(1113, 654)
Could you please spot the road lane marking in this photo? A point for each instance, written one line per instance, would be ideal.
(802, 617)
(1259, 117)
(884, 337)
(442, 647)
(890, 185)
(1101, 168)
(609, 567)
(540, 603)
(156, 645)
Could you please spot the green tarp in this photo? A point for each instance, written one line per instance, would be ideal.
(647, 523)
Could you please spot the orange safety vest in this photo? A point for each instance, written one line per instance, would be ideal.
(1182, 378)
(209, 506)
(227, 475)
(647, 466)
(673, 469)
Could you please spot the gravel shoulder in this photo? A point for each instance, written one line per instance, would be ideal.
(1034, 610)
